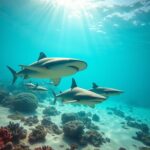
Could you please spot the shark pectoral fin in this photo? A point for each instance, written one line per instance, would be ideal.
(71, 101)
(56, 81)
(33, 68)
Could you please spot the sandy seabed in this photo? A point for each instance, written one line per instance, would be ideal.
(110, 124)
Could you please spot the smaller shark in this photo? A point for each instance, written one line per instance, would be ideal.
(35, 87)
(79, 95)
(105, 91)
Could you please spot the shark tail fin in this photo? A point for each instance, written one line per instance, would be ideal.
(55, 98)
(13, 73)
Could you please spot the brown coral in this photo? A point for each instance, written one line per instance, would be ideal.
(44, 148)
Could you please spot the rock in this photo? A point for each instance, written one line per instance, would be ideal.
(37, 135)
(16, 116)
(50, 111)
(73, 129)
(66, 117)
(95, 118)
(25, 102)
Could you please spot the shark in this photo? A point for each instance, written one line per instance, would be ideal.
(79, 95)
(35, 87)
(51, 68)
(105, 91)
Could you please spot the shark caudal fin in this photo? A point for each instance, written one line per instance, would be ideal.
(13, 73)
(55, 98)
(41, 56)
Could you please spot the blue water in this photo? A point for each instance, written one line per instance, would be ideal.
(112, 37)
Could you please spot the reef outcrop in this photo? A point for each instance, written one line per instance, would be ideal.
(25, 102)
(17, 132)
(37, 135)
(30, 121)
(5, 138)
(50, 111)
(73, 129)
(44, 148)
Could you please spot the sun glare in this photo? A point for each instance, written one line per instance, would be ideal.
(74, 7)
(73, 4)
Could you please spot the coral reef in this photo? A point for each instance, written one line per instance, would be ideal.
(141, 126)
(17, 131)
(95, 118)
(66, 117)
(21, 146)
(37, 135)
(117, 112)
(7, 146)
(30, 121)
(144, 148)
(50, 111)
(80, 116)
(44, 148)
(3, 95)
(143, 137)
(73, 147)
(121, 148)
(46, 122)
(25, 102)
(93, 137)
(5, 137)
(73, 129)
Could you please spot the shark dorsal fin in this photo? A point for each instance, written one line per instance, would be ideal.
(41, 56)
(74, 84)
(94, 85)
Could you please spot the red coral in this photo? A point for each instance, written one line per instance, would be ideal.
(5, 137)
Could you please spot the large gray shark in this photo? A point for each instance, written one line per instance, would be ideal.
(105, 91)
(35, 87)
(79, 95)
(52, 68)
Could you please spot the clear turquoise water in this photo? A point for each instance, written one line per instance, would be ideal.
(112, 37)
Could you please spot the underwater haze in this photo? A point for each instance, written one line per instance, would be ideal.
(111, 36)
